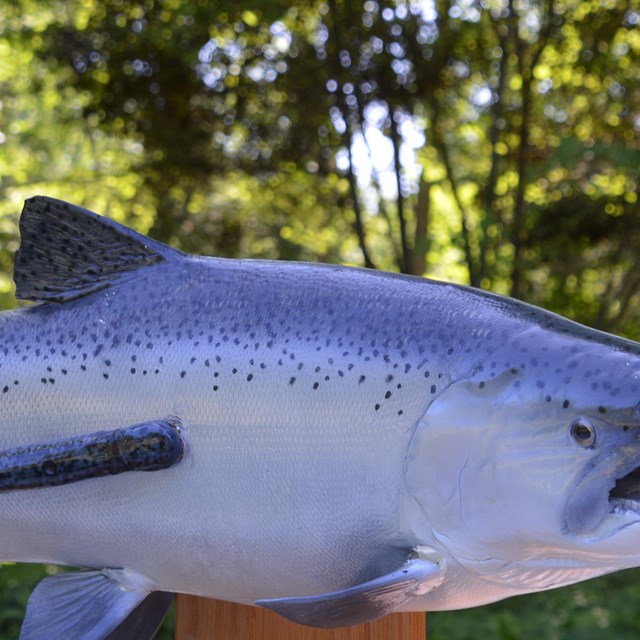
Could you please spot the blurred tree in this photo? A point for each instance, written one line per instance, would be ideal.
(492, 108)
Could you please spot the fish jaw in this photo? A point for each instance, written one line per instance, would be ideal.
(615, 533)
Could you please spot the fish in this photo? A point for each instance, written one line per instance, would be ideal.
(328, 442)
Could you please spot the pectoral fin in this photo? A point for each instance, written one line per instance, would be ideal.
(94, 605)
(149, 446)
(364, 602)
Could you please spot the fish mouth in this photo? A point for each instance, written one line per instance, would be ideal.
(625, 495)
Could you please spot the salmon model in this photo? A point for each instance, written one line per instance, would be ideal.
(328, 442)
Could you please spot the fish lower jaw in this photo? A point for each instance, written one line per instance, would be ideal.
(624, 497)
(625, 507)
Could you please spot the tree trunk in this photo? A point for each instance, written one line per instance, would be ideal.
(405, 266)
(421, 237)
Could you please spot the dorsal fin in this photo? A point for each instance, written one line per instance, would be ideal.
(67, 251)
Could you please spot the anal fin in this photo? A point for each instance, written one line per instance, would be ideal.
(364, 602)
(146, 618)
(93, 605)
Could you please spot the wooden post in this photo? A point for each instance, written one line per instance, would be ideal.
(203, 619)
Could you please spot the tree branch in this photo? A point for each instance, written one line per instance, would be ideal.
(490, 188)
(346, 116)
(526, 73)
(382, 204)
(405, 267)
(624, 293)
(441, 147)
(357, 210)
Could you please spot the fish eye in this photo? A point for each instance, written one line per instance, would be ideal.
(583, 432)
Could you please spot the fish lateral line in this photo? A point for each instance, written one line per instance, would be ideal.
(148, 446)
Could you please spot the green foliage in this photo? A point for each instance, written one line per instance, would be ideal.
(489, 142)
(592, 610)
(16, 583)
(522, 106)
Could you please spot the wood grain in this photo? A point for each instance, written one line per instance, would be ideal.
(204, 619)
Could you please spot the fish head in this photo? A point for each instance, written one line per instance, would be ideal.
(530, 463)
